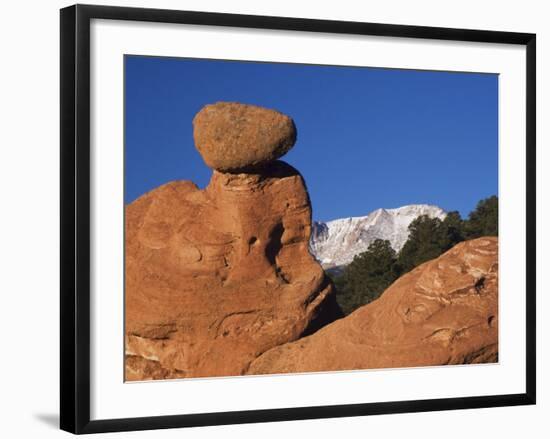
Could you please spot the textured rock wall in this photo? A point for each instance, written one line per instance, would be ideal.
(443, 312)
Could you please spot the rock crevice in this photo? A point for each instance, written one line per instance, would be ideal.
(434, 315)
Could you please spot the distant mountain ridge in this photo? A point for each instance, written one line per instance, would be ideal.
(335, 243)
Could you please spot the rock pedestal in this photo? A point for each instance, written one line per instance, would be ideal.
(216, 277)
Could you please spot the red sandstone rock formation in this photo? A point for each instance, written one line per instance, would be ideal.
(220, 281)
(216, 277)
(442, 312)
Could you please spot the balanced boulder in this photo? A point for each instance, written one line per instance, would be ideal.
(233, 137)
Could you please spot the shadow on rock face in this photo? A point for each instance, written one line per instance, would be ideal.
(275, 169)
(328, 312)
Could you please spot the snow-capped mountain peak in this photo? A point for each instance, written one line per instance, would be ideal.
(335, 243)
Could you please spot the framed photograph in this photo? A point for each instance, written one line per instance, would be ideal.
(275, 218)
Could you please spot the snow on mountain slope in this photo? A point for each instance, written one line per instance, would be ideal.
(336, 242)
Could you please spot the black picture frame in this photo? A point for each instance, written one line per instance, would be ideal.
(75, 218)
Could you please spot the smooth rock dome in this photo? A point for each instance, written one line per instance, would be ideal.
(233, 137)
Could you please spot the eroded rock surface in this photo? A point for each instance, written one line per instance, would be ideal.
(220, 282)
(216, 277)
(442, 312)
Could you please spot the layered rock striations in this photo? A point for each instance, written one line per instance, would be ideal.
(443, 312)
(216, 277)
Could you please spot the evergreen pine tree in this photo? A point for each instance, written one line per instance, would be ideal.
(367, 276)
(371, 272)
(483, 221)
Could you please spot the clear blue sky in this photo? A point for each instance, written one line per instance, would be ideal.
(367, 137)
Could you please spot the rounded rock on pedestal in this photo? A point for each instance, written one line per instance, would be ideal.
(233, 137)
